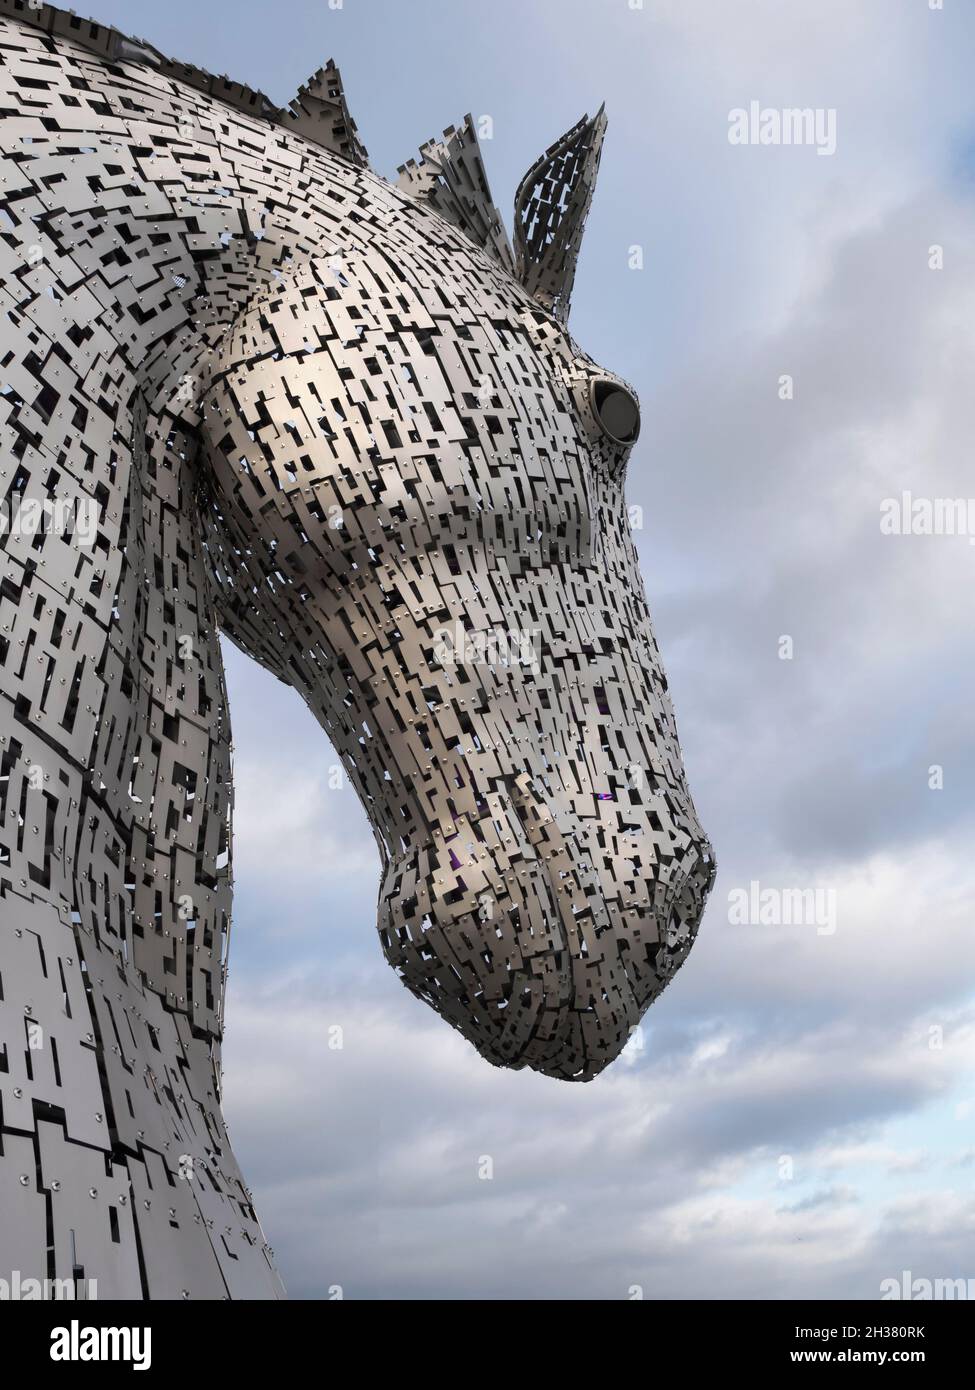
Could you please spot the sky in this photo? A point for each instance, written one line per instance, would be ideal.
(797, 1116)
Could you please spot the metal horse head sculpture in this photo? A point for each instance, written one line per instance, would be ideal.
(343, 422)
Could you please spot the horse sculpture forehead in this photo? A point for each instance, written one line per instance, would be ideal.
(392, 269)
(401, 329)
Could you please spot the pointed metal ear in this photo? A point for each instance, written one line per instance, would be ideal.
(551, 206)
(319, 113)
(450, 177)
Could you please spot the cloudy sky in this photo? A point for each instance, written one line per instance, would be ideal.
(800, 1118)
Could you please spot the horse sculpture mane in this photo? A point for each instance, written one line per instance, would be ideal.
(250, 386)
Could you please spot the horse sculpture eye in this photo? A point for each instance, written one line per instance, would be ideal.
(616, 411)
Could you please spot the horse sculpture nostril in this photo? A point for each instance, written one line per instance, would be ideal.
(688, 899)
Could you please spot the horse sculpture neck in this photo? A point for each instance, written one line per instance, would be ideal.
(115, 795)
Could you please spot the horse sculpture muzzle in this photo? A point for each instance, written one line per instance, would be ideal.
(543, 948)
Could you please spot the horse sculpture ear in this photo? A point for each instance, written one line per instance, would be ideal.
(320, 114)
(450, 177)
(551, 207)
